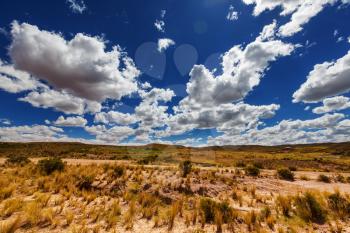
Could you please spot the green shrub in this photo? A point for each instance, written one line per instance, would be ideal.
(340, 178)
(251, 170)
(258, 165)
(240, 164)
(185, 167)
(118, 171)
(148, 160)
(339, 204)
(285, 174)
(17, 160)
(284, 204)
(212, 208)
(324, 178)
(85, 182)
(309, 209)
(48, 166)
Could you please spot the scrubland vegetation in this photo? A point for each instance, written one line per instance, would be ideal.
(148, 194)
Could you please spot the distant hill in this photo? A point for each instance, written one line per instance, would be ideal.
(38, 149)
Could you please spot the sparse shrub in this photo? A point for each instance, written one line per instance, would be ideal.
(209, 208)
(251, 170)
(240, 164)
(118, 171)
(304, 177)
(48, 166)
(84, 182)
(10, 226)
(285, 174)
(309, 209)
(10, 206)
(6, 192)
(185, 167)
(69, 216)
(324, 178)
(340, 178)
(284, 204)
(271, 221)
(292, 168)
(148, 159)
(339, 204)
(130, 215)
(250, 219)
(33, 211)
(17, 160)
(258, 165)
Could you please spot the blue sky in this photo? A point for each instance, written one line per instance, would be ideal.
(184, 72)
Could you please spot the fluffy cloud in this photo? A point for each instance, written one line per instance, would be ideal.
(152, 112)
(288, 6)
(325, 80)
(210, 103)
(15, 81)
(302, 11)
(77, 6)
(70, 121)
(110, 135)
(333, 104)
(61, 101)
(80, 66)
(113, 117)
(30, 133)
(164, 43)
(323, 129)
(242, 71)
(224, 118)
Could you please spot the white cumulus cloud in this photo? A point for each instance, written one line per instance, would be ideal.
(325, 80)
(165, 43)
(301, 11)
(80, 66)
(333, 104)
(77, 121)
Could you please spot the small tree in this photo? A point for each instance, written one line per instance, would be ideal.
(48, 166)
(185, 167)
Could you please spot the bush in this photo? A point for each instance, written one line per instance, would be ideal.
(258, 165)
(284, 204)
(211, 208)
(339, 204)
(48, 166)
(185, 167)
(240, 164)
(17, 160)
(148, 160)
(85, 182)
(251, 170)
(118, 171)
(285, 174)
(309, 209)
(340, 178)
(292, 168)
(324, 178)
